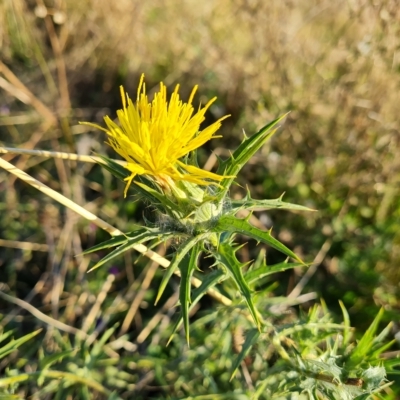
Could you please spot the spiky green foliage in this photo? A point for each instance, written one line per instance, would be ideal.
(310, 358)
(75, 369)
(199, 219)
(317, 358)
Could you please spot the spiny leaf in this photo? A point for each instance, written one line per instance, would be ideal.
(115, 241)
(208, 282)
(226, 256)
(169, 206)
(113, 167)
(15, 343)
(249, 203)
(251, 339)
(187, 266)
(373, 377)
(142, 185)
(265, 270)
(232, 224)
(385, 332)
(346, 324)
(329, 366)
(191, 158)
(177, 258)
(364, 345)
(242, 154)
(381, 349)
(46, 362)
(143, 236)
(390, 364)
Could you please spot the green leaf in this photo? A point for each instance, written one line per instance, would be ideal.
(191, 158)
(113, 167)
(373, 377)
(177, 258)
(10, 397)
(48, 361)
(215, 396)
(5, 335)
(346, 324)
(390, 364)
(187, 266)
(68, 376)
(229, 223)
(225, 255)
(15, 343)
(251, 338)
(141, 237)
(378, 350)
(142, 185)
(115, 241)
(364, 346)
(169, 206)
(97, 349)
(384, 333)
(208, 282)
(249, 203)
(242, 154)
(265, 270)
(365, 396)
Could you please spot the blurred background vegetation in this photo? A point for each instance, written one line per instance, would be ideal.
(334, 65)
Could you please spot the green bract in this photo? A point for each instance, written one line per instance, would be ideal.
(204, 220)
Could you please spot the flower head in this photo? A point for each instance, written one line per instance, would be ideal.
(154, 136)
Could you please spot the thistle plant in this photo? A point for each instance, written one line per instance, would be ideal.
(159, 142)
(306, 356)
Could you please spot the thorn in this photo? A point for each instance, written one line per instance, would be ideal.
(248, 194)
(157, 299)
(247, 219)
(235, 249)
(215, 264)
(170, 339)
(242, 265)
(232, 238)
(265, 261)
(235, 183)
(219, 159)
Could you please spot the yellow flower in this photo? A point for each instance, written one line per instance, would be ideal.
(153, 136)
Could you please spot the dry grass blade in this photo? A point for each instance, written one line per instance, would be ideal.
(99, 301)
(170, 303)
(24, 245)
(56, 154)
(27, 95)
(42, 317)
(144, 285)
